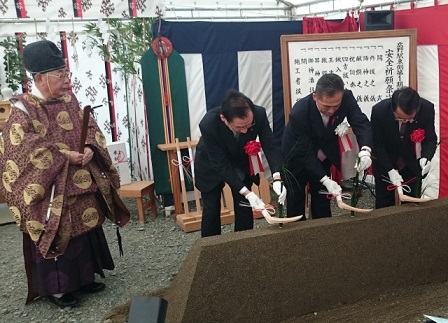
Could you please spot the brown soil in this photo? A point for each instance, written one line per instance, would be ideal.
(403, 306)
(412, 236)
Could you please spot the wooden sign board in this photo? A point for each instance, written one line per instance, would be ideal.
(373, 64)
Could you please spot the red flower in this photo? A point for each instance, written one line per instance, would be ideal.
(252, 148)
(418, 135)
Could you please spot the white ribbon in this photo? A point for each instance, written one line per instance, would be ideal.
(190, 152)
(104, 30)
(418, 150)
(342, 129)
(255, 165)
(179, 161)
(345, 143)
(51, 31)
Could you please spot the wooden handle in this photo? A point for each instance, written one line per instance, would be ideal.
(85, 127)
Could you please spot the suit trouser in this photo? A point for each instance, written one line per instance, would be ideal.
(320, 204)
(211, 211)
(385, 197)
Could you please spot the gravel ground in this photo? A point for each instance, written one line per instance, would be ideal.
(153, 254)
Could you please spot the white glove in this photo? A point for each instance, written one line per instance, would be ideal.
(331, 186)
(279, 188)
(425, 165)
(363, 161)
(254, 201)
(395, 177)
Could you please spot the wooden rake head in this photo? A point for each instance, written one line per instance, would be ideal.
(407, 198)
(274, 220)
(344, 206)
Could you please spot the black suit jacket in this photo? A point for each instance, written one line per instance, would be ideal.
(305, 134)
(387, 145)
(218, 153)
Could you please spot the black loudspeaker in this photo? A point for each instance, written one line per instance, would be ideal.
(147, 309)
(379, 20)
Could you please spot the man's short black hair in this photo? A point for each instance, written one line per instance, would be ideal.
(236, 105)
(328, 85)
(407, 99)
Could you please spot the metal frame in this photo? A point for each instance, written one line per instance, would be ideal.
(288, 12)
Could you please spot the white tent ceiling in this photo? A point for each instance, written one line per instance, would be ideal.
(198, 10)
(276, 9)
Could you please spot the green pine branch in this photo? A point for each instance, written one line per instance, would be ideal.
(13, 62)
(128, 42)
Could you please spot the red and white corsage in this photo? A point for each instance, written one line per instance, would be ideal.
(417, 136)
(252, 149)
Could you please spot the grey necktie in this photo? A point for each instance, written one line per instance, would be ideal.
(325, 120)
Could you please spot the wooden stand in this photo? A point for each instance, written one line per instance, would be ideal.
(187, 220)
(175, 182)
(193, 221)
(138, 190)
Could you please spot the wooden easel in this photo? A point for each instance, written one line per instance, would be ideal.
(175, 181)
(188, 221)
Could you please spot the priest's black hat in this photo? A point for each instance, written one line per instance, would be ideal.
(42, 56)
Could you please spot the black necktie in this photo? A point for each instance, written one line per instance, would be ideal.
(400, 162)
(402, 129)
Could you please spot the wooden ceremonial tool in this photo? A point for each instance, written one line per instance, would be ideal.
(344, 206)
(196, 192)
(406, 198)
(182, 179)
(274, 220)
(85, 127)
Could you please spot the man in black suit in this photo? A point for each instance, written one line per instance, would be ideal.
(393, 121)
(310, 145)
(221, 158)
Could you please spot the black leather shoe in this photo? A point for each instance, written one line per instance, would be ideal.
(93, 287)
(67, 300)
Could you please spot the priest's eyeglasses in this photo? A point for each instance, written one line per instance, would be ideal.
(66, 74)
